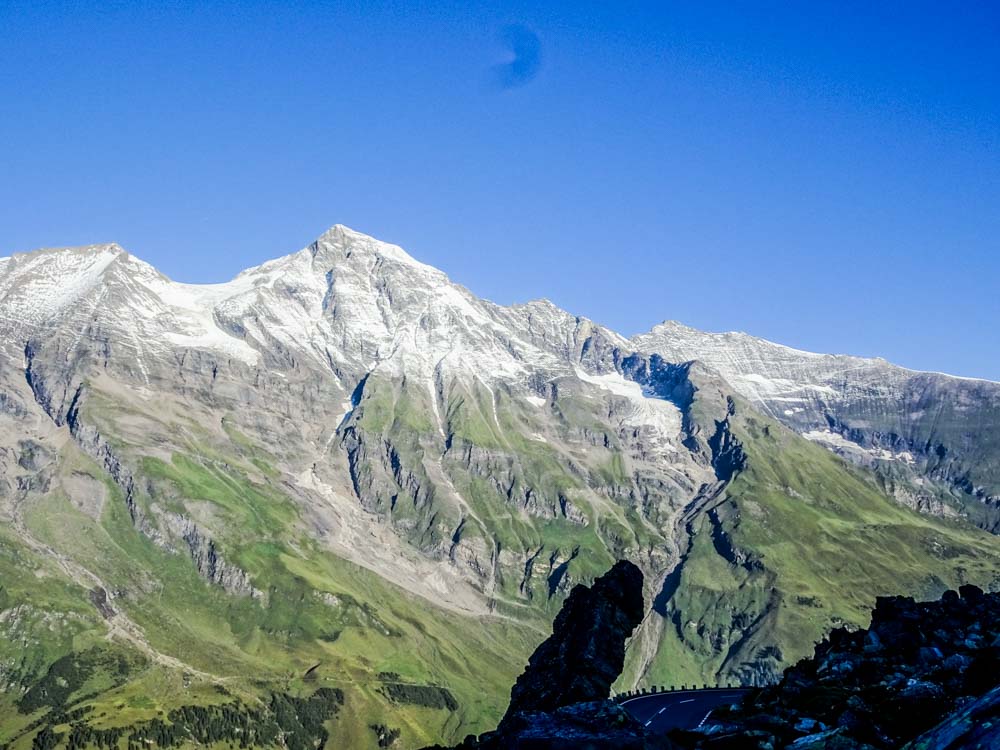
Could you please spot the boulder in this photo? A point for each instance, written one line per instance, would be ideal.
(920, 671)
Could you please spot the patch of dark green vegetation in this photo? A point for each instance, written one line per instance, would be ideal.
(82, 736)
(385, 736)
(46, 739)
(67, 675)
(301, 719)
(286, 721)
(428, 696)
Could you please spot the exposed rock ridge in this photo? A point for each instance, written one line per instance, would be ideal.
(586, 651)
(209, 561)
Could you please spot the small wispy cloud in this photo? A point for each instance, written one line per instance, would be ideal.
(525, 57)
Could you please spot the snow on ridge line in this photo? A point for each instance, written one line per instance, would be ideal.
(44, 284)
(694, 344)
(675, 329)
(678, 333)
(67, 249)
(385, 249)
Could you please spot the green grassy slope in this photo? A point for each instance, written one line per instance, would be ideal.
(320, 616)
(799, 543)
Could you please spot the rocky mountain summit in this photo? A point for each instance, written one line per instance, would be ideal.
(341, 462)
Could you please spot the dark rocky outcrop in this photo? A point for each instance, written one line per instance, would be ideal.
(975, 727)
(599, 725)
(586, 652)
(561, 699)
(922, 676)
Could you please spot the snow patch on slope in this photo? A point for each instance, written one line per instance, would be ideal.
(646, 409)
(840, 444)
(193, 307)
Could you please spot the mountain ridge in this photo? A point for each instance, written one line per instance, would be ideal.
(807, 391)
(677, 325)
(396, 252)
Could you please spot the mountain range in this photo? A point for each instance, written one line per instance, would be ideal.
(340, 471)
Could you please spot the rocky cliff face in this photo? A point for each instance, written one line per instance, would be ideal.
(929, 437)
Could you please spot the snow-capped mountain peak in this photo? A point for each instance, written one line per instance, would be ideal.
(355, 305)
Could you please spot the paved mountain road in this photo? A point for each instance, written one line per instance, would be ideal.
(681, 709)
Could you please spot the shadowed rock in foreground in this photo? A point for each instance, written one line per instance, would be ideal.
(560, 701)
(599, 725)
(583, 657)
(975, 727)
(922, 677)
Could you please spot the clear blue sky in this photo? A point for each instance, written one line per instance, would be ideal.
(826, 175)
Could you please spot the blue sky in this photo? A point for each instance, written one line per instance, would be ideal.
(825, 175)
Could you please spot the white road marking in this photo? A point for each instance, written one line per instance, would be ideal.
(687, 700)
(682, 692)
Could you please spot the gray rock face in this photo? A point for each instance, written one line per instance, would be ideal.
(932, 438)
(209, 561)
